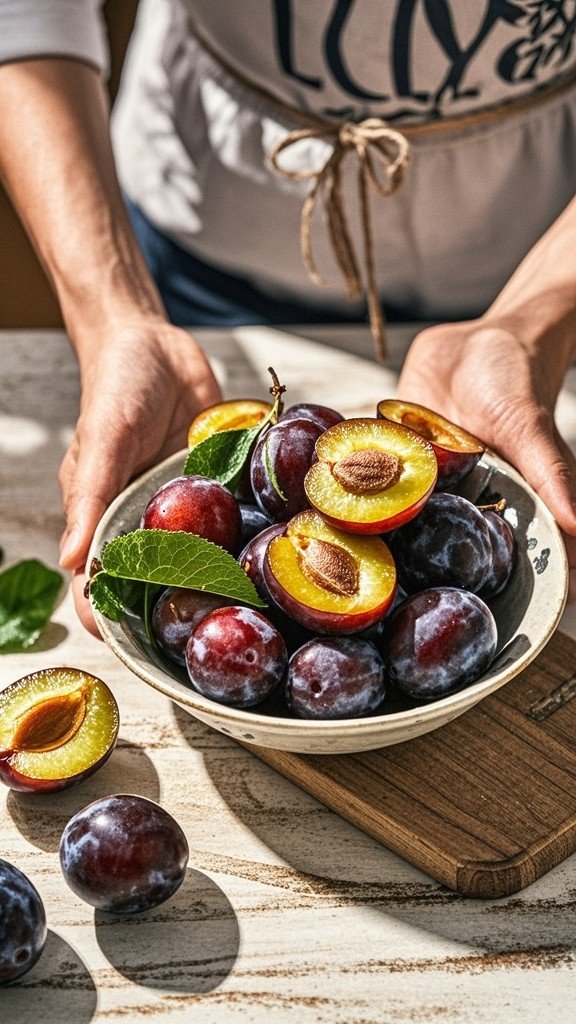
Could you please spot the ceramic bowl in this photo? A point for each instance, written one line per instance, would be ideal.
(526, 614)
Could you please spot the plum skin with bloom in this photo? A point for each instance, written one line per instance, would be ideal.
(176, 614)
(22, 923)
(235, 656)
(438, 641)
(123, 854)
(196, 505)
(447, 545)
(503, 554)
(336, 677)
(280, 461)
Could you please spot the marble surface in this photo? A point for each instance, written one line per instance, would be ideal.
(287, 910)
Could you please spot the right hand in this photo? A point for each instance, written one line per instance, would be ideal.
(141, 388)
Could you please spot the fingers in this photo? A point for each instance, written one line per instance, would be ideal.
(534, 446)
(97, 466)
(82, 603)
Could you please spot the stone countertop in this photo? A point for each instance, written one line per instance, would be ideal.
(287, 910)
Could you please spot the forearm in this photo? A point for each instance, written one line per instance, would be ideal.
(56, 161)
(539, 301)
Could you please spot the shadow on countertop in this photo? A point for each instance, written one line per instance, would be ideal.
(188, 944)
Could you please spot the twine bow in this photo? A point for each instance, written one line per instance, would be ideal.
(383, 154)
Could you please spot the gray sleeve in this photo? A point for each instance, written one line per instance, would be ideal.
(55, 28)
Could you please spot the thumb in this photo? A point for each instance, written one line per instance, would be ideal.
(547, 464)
(96, 468)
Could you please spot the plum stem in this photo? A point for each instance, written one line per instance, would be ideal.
(277, 390)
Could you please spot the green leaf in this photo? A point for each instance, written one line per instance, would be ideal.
(108, 594)
(222, 456)
(176, 559)
(28, 594)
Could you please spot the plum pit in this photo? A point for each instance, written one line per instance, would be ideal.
(57, 726)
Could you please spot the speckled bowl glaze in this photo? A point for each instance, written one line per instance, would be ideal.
(526, 614)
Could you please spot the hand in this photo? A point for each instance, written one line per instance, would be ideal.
(141, 389)
(502, 388)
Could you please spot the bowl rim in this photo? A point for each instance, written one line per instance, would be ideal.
(113, 633)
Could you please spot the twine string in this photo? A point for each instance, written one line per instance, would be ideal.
(382, 153)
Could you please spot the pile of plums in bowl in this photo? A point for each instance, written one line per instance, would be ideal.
(385, 586)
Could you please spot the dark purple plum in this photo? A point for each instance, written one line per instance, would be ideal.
(123, 854)
(503, 554)
(176, 613)
(254, 521)
(236, 657)
(252, 561)
(447, 545)
(319, 414)
(439, 641)
(335, 677)
(196, 505)
(280, 461)
(251, 558)
(22, 923)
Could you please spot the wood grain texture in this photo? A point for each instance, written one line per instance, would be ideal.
(288, 911)
(486, 804)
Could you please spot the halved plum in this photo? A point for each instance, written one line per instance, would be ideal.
(371, 475)
(457, 451)
(236, 414)
(57, 726)
(328, 580)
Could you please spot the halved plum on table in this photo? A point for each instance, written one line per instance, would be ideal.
(328, 580)
(457, 451)
(371, 475)
(57, 726)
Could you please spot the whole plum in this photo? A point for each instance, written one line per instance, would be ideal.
(22, 923)
(439, 641)
(320, 414)
(503, 554)
(254, 521)
(280, 461)
(447, 545)
(236, 656)
(335, 677)
(197, 505)
(176, 613)
(123, 854)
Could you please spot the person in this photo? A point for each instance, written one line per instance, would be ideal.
(479, 236)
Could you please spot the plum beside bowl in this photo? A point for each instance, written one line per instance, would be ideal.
(526, 613)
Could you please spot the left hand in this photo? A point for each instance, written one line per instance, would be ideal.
(503, 388)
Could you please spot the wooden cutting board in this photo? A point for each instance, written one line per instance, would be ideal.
(487, 803)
